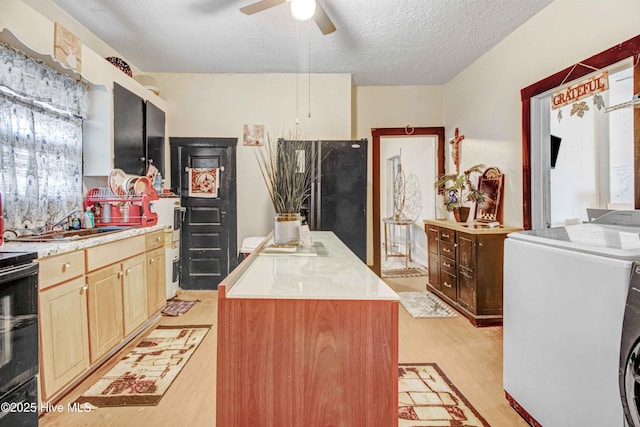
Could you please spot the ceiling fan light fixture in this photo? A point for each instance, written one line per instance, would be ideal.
(303, 9)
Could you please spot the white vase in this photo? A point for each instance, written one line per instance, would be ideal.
(286, 228)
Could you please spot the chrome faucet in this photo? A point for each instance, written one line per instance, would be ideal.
(65, 218)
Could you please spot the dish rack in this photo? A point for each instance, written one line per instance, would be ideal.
(128, 210)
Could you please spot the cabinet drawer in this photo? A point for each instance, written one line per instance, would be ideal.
(60, 268)
(447, 235)
(448, 249)
(103, 255)
(154, 240)
(449, 284)
(448, 265)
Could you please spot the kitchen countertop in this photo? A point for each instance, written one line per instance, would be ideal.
(340, 275)
(45, 249)
(472, 227)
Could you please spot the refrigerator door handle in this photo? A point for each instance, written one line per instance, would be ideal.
(312, 207)
(319, 190)
(319, 206)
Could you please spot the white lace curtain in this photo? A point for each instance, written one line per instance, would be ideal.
(40, 141)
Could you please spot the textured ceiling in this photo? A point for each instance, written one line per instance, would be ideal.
(379, 42)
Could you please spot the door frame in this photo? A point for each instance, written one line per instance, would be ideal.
(377, 133)
(620, 52)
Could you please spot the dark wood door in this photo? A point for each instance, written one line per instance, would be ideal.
(154, 136)
(209, 233)
(128, 131)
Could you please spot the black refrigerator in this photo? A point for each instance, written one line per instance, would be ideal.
(338, 197)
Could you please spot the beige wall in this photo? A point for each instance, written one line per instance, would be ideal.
(392, 107)
(484, 100)
(218, 105)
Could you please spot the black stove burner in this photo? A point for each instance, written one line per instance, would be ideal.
(9, 259)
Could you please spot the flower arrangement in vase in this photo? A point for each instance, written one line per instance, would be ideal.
(287, 168)
(458, 190)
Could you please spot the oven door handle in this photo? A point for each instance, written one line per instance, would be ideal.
(16, 272)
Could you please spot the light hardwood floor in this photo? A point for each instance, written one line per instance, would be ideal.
(471, 358)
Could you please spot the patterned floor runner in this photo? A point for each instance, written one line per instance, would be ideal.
(424, 305)
(176, 307)
(428, 398)
(145, 374)
(404, 272)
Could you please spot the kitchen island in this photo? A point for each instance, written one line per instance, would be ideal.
(307, 340)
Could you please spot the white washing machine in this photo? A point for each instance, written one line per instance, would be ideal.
(564, 300)
(629, 379)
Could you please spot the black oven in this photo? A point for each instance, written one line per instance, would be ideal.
(18, 339)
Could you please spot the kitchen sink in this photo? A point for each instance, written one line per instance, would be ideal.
(68, 235)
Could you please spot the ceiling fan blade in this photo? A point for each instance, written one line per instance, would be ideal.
(323, 21)
(259, 6)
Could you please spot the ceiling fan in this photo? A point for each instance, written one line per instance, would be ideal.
(319, 15)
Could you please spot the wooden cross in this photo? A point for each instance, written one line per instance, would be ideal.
(455, 153)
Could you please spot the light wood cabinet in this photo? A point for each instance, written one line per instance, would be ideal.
(156, 279)
(154, 240)
(466, 269)
(60, 268)
(105, 310)
(111, 253)
(156, 264)
(63, 335)
(134, 293)
(91, 301)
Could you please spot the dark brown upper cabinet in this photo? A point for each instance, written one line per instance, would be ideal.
(138, 133)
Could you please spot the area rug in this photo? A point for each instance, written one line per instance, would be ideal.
(144, 375)
(404, 272)
(428, 398)
(177, 307)
(425, 305)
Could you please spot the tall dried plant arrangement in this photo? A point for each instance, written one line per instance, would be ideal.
(286, 172)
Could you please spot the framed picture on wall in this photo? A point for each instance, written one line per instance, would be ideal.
(253, 135)
(67, 48)
(490, 183)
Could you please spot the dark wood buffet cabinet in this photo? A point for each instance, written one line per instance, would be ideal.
(465, 267)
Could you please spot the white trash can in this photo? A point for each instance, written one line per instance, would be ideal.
(249, 244)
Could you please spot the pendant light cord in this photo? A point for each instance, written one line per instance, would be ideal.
(297, 72)
(309, 78)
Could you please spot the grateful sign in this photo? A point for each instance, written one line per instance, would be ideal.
(591, 86)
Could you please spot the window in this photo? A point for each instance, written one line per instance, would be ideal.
(593, 164)
(40, 141)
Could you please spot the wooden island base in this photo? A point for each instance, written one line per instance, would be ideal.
(313, 343)
(307, 363)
